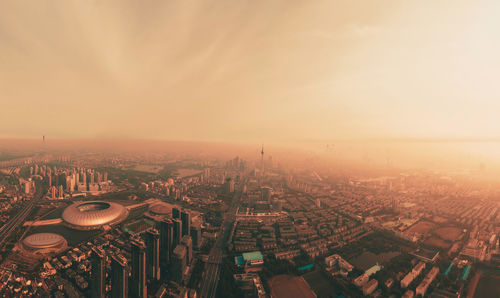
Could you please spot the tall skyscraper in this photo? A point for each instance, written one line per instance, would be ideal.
(266, 194)
(177, 231)
(178, 266)
(68, 183)
(188, 243)
(119, 276)
(138, 282)
(229, 186)
(186, 223)
(61, 191)
(153, 254)
(175, 213)
(195, 234)
(166, 241)
(98, 272)
(53, 192)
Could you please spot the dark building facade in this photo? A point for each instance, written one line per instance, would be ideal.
(138, 283)
(178, 265)
(188, 243)
(175, 213)
(153, 254)
(177, 231)
(119, 277)
(166, 241)
(98, 273)
(195, 234)
(186, 223)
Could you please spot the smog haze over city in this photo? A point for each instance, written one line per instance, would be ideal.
(238, 148)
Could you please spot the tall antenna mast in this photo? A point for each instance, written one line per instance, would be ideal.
(262, 163)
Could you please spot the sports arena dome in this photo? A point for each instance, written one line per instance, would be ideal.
(44, 243)
(160, 209)
(94, 214)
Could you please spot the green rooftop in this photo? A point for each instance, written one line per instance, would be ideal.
(251, 256)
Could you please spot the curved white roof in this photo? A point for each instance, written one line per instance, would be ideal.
(43, 240)
(94, 214)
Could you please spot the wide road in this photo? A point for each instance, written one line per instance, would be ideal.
(16, 221)
(213, 266)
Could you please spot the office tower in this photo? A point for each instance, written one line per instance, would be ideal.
(229, 186)
(27, 187)
(98, 273)
(175, 213)
(53, 191)
(266, 194)
(186, 222)
(178, 266)
(61, 191)
(195, 234)
(84, 177)
(119, 276)
(138, 283)
(92, 178)
(395, 205)
(105, 176)
(166, 240)
(188, 243)
(177, 231)
(68, 183)
(49, 179)
(153, 254)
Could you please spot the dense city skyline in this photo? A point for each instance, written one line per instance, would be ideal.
(256, 149)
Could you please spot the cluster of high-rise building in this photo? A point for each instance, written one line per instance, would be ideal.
(28, 186)
(236, 164)
(162, 254)
(61, 179)
(81, 179)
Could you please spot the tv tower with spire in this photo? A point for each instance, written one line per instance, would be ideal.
(262, 164)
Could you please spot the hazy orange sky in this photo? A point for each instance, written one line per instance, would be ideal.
(249, 70)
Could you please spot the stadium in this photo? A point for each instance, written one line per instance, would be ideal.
(93, 215)
(44, 243)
